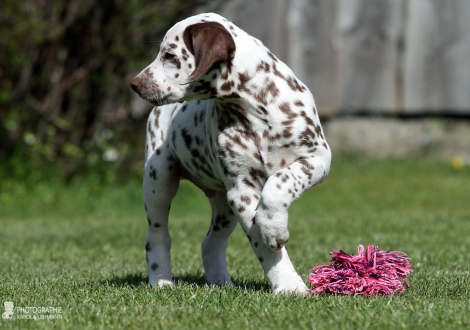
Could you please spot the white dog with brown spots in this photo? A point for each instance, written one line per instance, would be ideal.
(233, 119)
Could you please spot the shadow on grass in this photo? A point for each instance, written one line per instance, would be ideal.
(132, 280)
(200, 280)
(249, 285)
(138, 279)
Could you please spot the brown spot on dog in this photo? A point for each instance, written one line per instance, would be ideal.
(263, 66)
(295, 85)
(286, 109)
(286, 133)
(273, 57)
(244, 78)
(153, 173)
(246, 199)
(233, 95)
(277, 72)
(248, 183)
(226, 86)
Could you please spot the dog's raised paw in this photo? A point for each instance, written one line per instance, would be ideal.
(274, 237)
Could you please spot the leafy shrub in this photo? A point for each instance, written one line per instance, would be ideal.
(64, 80)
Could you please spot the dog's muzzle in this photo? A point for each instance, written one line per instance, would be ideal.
(136, 83)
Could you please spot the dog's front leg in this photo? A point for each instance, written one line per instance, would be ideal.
(276, 264)
(159, 187)
(280, 190)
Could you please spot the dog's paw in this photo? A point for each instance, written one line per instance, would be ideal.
(160, 282)
(273, 233)
(274, 239)
(220, 280)
(292, 286)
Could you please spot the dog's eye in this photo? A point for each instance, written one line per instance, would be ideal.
(169, 56)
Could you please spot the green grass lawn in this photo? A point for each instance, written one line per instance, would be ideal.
(81, 247)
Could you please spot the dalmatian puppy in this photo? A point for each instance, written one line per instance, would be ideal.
(234, 120)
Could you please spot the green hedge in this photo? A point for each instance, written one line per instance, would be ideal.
(66, 65)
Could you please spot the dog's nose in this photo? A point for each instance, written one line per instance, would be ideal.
(135, 84)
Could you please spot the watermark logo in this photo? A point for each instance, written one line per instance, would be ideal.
(9, 306)
(31, 312)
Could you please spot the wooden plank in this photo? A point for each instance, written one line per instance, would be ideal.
(368, 57)
(437, 57)
(263, 19)
(300, 33)
(311, 53)
(387, 56)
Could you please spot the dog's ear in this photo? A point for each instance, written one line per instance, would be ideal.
(210, 43)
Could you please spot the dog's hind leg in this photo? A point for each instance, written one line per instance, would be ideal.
(215, 244)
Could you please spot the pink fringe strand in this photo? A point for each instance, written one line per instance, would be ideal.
(371, 272)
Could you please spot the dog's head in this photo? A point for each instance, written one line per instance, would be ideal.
(189, 51)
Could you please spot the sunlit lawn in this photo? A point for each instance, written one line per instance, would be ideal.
(81, 247)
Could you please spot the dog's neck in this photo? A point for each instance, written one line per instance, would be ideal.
(239, 113)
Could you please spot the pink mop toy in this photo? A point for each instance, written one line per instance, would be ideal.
(371, 272)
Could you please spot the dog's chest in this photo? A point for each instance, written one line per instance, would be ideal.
(216, 147)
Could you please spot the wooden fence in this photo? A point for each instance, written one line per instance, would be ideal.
(374, 56)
